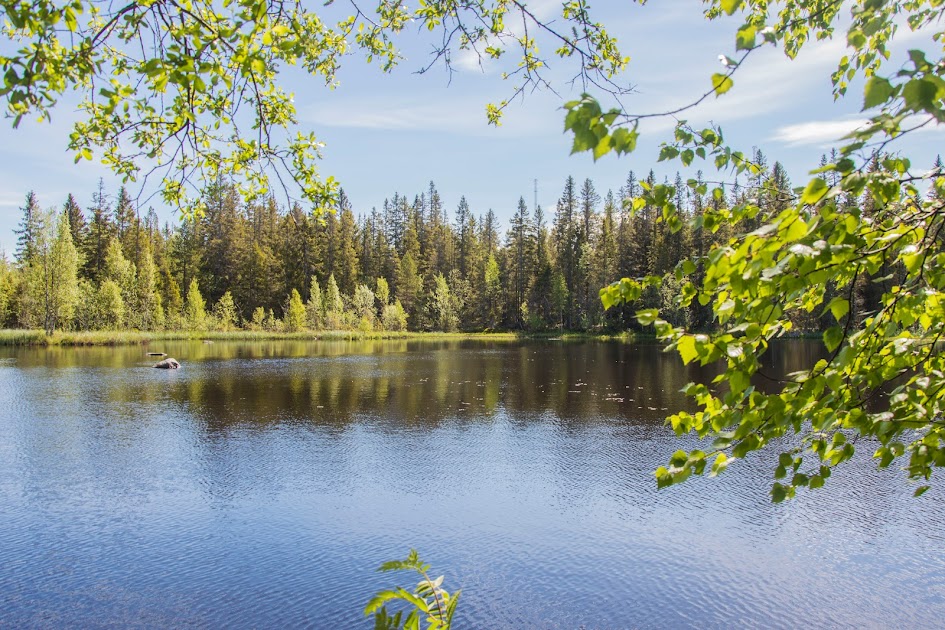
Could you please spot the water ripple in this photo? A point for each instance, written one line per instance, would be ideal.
(261, 486)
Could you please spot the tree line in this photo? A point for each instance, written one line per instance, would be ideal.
(413, 264)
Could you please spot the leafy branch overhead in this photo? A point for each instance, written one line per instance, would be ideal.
(881, 383)
(187, 90)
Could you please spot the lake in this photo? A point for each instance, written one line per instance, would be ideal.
(261, 485)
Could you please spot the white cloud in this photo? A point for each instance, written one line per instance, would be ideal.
(822, 133)
(768, 82)
(443, 115)
(470, 61)
(369, 114)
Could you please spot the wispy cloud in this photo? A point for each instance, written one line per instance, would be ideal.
(10, 200)
(470, 61)
(403, 116)
(822, 133)
(767, 83)
(462, 117)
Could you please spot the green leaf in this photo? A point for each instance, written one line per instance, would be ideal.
(839, 307)
(920, 491)
(730, 6)
(856, 39)
(647, 316)
(796, 230)
(607, 298)
(832, 337)
(745, 38)
(911, 257)
(721, 83)
(663, 477)
(686, 346)
(814, 192)
(737, 381)
(878, 91)
(413, 599)
(920, 95)
(602, 148)
(624, 140)
(379, 600)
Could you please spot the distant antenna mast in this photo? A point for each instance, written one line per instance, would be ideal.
(535, 207)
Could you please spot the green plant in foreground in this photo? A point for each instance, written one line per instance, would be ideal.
(427, 599)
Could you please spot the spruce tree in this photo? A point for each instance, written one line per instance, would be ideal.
(126, 226)
(28, 233)
(519, 246)
(346, 269)
(462, 235)
(99, 234)
(77, 222)
(51, 276)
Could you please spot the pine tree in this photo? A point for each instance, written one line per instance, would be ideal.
(127, 226)
(99, 234)
(463, 235)
(440, 233)
(149, 312)
(490, 232)
(223, 236)
(172, 298)
(540, 295)
(493, 293)
(76, 221)
(346, 269)
(409, 284)
(51, 290)
(568, 245)
(519, 246)
(189, 248)
(31, 226)
(605, 265)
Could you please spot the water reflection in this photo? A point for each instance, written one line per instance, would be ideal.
(261, 484)
(405, 382)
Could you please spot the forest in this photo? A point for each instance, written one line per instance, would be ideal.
(413, 264)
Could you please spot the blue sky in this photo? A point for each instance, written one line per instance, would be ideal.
(397, 132)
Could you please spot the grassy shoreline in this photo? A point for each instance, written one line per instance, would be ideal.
(38, 338)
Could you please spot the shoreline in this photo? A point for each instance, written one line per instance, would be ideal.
(38, 338)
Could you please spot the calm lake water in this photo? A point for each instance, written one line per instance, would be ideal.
(261, 485)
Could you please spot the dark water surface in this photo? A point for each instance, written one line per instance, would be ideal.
(262, 484)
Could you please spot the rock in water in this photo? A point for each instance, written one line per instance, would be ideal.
(167, 364)
(157, 354)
